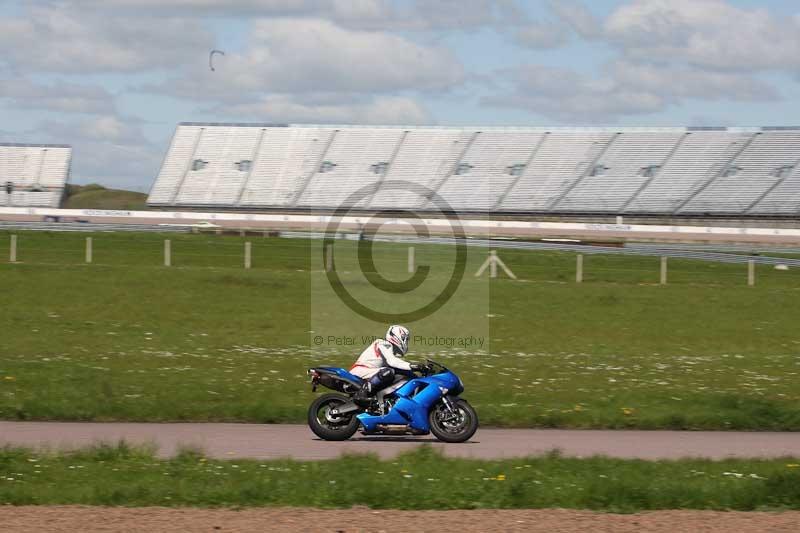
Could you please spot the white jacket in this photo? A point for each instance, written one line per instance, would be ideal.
(377, 355)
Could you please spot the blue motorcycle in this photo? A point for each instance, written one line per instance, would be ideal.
(416, 405)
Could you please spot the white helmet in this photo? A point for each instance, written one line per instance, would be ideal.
(398, 337)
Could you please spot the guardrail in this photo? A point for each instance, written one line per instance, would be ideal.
(93, 227)
(726, 247)
(432, 223)
(594, 250)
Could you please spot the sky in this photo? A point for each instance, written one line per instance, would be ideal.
(112, 78)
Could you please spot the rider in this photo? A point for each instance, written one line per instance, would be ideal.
(380, 361)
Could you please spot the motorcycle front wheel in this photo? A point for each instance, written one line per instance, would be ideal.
(327, 426)
(456, 425)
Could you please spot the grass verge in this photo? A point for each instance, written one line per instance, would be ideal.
(206, 340)
(423, 479)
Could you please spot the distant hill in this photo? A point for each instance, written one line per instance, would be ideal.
(94, 196)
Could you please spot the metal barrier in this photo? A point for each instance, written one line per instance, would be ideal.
(594, 250)
(93, 227)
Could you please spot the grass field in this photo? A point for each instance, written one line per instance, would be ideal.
(121, 475)
(128, 339)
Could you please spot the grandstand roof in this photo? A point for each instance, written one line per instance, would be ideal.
(493, 128)
(236, 124)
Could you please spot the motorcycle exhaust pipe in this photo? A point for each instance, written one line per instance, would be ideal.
(392, 429)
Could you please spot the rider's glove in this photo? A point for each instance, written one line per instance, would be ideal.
(416, 367)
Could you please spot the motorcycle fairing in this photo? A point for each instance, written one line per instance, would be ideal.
(414, 401)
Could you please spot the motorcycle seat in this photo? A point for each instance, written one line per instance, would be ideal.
(339, 372)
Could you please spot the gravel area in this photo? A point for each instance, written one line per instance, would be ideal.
(156, 519)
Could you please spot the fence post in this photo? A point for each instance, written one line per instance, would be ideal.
(167, 253)
(751, 272)
(247, 255)
(663, 270)
(328, 258)
(412, 267)
(88, 249)
(12, 253)
(579, 269)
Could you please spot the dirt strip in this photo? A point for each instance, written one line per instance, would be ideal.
(158, 519)
(274, 441)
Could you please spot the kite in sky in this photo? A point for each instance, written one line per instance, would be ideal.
(211, 58)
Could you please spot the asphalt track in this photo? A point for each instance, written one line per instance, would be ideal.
(228, 441)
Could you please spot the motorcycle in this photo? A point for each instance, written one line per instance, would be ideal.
(417, 405)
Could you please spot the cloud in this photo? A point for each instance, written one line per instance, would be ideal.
(541, 35)
(108, 149)
(313, 55)
(59, 39)
(235, 8)
(289, 69)
(379, 110)
(677, 82)
(367, 61)
(458, 14)
(62, 97)
(111, 129)
(705, 33)
(388, 15)
(125, 166)
(666, 52)
(577, 16)
(566, 95)
(624, 89)
(288, 54)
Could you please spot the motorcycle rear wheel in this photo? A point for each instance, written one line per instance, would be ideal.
(326, 426)
(453, 427)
